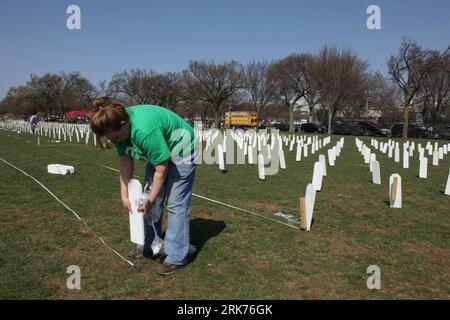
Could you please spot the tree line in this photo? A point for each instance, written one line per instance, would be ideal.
(332, 82)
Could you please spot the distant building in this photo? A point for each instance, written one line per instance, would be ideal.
(303, 108)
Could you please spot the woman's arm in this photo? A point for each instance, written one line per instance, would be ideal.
(158, 181)
(126, 173)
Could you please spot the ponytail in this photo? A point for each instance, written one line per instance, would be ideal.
(107, 115)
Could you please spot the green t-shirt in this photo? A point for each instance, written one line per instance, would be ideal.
(157, 134)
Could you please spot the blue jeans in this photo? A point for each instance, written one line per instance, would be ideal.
(177, 190)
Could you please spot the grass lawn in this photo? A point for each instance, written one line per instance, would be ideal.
(240, 256)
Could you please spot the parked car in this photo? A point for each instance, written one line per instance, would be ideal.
(347, 129)
(313, 127)
(443, 133)
(372, 129)
(414, 131)
(386, 132)
(282, 126)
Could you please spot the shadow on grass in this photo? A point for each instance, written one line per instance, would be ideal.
(201, 231)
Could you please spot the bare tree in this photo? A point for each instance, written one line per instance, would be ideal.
(380, 97)
(374, 95)
(46, 92)
(135, 86)
(77, 92)
(312, 96)
(18, 101)
(354, 106)
(214, 83)
(168, 89)
(340, 74)
(434, 94)
(409, 69)
(54, 93)
(109, 89)
(291, 82)
(258, 87)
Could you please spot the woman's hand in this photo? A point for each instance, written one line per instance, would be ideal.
(126, 204)
(146, 206)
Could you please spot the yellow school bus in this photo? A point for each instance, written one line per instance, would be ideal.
(241, 119)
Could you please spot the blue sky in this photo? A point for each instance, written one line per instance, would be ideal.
(166, 35)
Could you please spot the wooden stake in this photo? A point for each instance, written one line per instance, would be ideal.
(394, 189)
(303, 222)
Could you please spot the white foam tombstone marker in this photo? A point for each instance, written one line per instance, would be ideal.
(376, 177)
(305, 150)
(261, 171)
(317, 176)
(423, 168)
(441, 153)
(397, 155)
(324, 164)
(282, 160)
(366, 154)
(269, 152)
(435, 158)
(221, 158)
(395, 191)
(137, 233)
(307, 208)
(331, 157)
(298, 156)
(421, 152)
(447, 188)
(255, 154)
(250, 155)
(224, 144)
(373, 157)
(291, 145)
(60, 169)
(405, 159)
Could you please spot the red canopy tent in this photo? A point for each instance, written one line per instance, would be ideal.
(76, 113)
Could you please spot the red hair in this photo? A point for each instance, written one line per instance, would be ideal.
(108, 116)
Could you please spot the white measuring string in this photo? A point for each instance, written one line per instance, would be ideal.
(227, 205)
(244, 210)
(68, 208)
